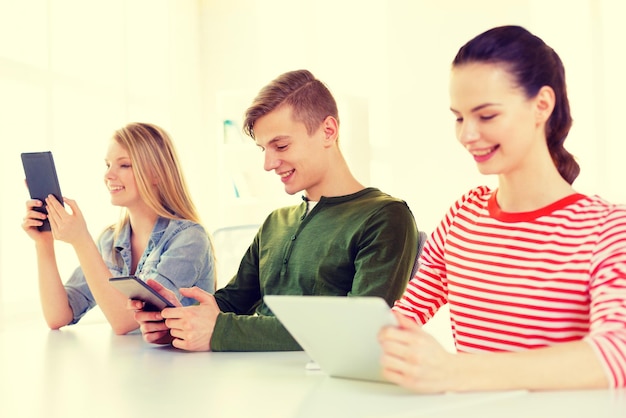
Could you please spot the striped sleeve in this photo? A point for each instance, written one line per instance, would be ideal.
(520, 281)
(607, 333)
(427, 290)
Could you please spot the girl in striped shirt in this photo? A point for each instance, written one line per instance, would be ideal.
(534, 273)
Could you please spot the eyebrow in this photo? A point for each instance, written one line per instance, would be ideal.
(106, 160)
(477, 108)
(273, 140)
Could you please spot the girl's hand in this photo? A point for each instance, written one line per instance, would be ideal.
(33, 220)
(66, 226)
(414, 359)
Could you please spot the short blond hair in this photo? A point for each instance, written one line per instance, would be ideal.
(309, 98)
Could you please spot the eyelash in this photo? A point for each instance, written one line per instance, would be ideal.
(483, 118)
(277, 147)
(108, 166)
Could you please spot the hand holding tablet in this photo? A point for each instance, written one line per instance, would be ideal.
(41, 180)
(135, 288)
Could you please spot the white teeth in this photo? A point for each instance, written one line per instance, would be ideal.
(286, 174)
(483, 152)
(115, 189)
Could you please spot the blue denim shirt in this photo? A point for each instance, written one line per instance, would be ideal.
(178, 255)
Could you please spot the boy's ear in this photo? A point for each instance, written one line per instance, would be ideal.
(331, 129)
(545, 101)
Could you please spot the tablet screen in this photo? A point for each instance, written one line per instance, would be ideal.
(41, 179)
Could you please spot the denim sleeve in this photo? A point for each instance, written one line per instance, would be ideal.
(79, 295)
(183, 260)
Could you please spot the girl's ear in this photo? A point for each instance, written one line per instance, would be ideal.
(544, 102)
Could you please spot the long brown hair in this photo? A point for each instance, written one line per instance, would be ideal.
(533, 64)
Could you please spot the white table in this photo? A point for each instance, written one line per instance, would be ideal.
(86, 371)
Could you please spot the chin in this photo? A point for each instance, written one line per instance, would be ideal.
(292, 189)
(486, 171)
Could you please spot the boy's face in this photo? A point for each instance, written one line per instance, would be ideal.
(298, 158)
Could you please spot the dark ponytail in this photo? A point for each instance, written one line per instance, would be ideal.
(533, 65)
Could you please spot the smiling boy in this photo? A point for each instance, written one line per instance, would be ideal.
(345, 239)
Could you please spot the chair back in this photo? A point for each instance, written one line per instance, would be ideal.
(421, 240)
(230, 243)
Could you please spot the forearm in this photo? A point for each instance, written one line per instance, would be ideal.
(572, 365)
(111, 302)
(53, 297)
(251, 333)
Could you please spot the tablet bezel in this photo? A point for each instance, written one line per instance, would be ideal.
(41, 179)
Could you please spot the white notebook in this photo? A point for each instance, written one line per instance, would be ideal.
(339, 333)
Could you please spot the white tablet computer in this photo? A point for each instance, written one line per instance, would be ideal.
(339, 333)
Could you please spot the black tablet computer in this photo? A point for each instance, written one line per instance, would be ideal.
(135, 288)
(41, 179)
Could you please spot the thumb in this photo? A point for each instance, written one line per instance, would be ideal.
(163, 291)
(405, 322)
(197, 294)
(72, 204)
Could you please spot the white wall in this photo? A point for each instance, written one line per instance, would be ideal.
(396, 54)
(72, 71)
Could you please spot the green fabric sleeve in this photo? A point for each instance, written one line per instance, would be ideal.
(385, 260)
(251, 333)
(359, 245)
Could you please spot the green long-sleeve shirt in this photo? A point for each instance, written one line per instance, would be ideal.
(363, 244)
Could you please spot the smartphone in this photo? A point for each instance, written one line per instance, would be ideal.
(41, 179)
(135, 288)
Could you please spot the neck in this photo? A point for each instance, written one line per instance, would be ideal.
(534, 183)
(525, 195)
(338, 181)
(142, 221)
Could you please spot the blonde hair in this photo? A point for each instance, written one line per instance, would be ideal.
(155, 162)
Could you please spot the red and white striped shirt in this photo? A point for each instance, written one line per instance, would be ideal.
(517, 281)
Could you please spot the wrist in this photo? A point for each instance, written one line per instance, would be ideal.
(82, 241)
(463, 376)
(44, 243)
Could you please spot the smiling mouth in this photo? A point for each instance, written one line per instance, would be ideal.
(286, 173)
(485, 152)
(116, 189)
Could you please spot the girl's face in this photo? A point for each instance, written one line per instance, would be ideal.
(495, 121)
(119, 177)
